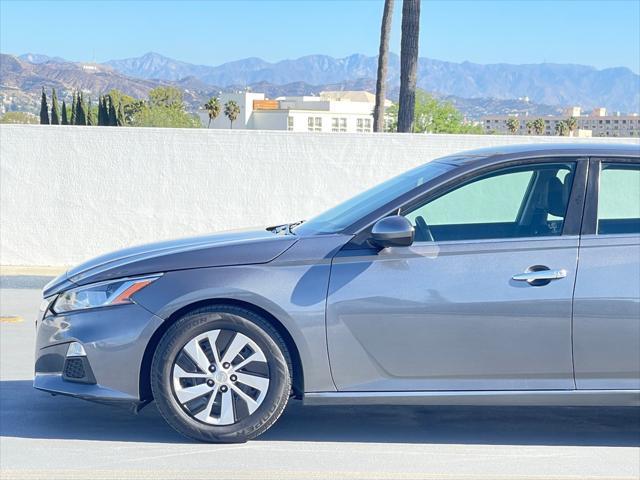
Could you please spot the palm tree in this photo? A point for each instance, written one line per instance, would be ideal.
(383, 54)
(529, 126)
(513, 124)
(538, 126)
(213, 109)
(408, 63)
(231, 110)
(562, 128)
(572, 124)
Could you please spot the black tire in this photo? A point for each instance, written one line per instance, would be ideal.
(236, 319)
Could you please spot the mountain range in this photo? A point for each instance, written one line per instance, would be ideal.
(475, 89)
(546, 83)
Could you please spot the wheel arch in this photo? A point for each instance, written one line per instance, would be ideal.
(150, 349)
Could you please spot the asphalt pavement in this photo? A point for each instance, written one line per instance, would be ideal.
(42, 436)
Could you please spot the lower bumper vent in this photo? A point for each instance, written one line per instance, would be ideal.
(77, 369)
(73, 368)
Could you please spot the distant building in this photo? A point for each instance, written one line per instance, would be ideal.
(596, 124)
(339, 111)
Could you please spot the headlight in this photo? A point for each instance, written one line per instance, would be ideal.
(113, 292)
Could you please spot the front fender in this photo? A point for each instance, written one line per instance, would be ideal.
(293, 293)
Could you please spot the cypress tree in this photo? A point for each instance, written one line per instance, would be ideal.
(99, 109)
(103, 114)
(81, 113)
(120, 115)
(113, 116)
(90, 119)
(74, 108)
(55, 111)
(44, 109)
(65, 120)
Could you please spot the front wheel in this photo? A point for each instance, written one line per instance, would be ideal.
(221, 374)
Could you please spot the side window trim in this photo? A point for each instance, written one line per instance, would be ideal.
(590, 214)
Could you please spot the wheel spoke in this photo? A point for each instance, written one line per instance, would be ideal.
(196, 353)
(227, 415)
(252, 405)
(254, 357)
(238, 343)
(259, 383)
(179, 373)
(204, 415)
(213, 336)
(186, 394)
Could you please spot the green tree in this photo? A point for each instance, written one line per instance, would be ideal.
(130, 106)
(113, 115)
(408, 64)
(19, 117)
(100, 110)
(81, 112)
(55, 110)
(562, 128)
(529, 126)
(169, 97)
(513, 124)
(538, 126)
(383, 60)
(90, 114)
(231, 110)
(572, 124)
(164, 117)
(434, 116)
(213, 109)
(44, 109)
(120, 115)
(65, 119)
(74, 108)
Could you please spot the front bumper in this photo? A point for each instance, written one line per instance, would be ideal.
(114, 340)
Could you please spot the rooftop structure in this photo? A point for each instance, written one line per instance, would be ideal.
(331, 111)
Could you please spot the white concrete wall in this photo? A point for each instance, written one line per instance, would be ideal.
(70, 193)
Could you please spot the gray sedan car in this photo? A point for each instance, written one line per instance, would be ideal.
(507, 276)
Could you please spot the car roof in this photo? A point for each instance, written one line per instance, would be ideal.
(503, 152)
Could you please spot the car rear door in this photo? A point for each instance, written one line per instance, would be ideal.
(606, 330)
(456, 312)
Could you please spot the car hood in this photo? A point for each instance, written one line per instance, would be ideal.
(223, 249)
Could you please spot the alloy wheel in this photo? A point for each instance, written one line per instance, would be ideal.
(220, 377)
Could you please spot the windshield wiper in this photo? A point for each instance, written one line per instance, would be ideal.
(285, 228)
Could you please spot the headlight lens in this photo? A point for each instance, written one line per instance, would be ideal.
(113, 292)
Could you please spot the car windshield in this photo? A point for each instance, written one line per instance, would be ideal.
(341, 216)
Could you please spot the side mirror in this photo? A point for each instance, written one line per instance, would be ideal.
(394, 231)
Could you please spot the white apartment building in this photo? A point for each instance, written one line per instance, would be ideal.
(597, 123)
(340, 111)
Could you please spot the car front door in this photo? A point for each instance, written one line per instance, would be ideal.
(455, 311)
(607, 297)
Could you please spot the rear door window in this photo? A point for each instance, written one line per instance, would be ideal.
(619, 199)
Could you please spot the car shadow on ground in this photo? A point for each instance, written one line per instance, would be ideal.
(27, 413)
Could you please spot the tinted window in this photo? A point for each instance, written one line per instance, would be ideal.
(619, 199)
(526, 201)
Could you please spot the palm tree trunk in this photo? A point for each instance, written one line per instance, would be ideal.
(383, 58)
(209, 124)
(408, 63)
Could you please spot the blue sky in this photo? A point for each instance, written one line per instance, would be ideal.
(592, 32)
